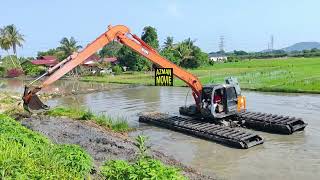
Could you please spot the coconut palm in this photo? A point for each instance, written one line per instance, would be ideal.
(189, 43)
(14, 37)
(184, 51)
(168, 44)
(68, 46)
(5, 43)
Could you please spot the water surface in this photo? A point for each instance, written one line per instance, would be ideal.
(283, 157)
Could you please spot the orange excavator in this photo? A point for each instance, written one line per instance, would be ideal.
(216, 110)
(212, 101)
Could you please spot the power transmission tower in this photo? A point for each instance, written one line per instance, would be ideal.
(221, 44)
(271, 43)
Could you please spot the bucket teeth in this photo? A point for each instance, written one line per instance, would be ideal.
(31, 101)
(36, 104)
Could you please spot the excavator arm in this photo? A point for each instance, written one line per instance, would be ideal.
(121, 34)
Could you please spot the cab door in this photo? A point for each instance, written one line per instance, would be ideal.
(231, 98)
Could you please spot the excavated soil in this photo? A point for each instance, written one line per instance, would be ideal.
(100, 143)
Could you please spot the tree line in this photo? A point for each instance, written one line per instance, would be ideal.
(185, 53)
(240, 55)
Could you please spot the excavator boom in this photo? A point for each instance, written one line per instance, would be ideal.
(121, 34)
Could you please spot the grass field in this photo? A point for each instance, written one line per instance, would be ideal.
(279, 75)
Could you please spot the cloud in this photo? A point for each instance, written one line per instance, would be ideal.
(173, 10)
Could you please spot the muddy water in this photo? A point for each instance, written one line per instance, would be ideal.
(280, 157)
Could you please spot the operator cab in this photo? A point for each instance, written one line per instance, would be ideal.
(219, 101)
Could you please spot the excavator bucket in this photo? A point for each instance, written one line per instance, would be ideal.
(31, 101)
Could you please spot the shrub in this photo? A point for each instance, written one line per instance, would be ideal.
(15, 72)
(144, 168)
(33, 70)
(117, 70)
(2, 71)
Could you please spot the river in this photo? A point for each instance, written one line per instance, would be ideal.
(283, 157)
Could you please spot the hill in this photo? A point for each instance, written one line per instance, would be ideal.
(302, 46)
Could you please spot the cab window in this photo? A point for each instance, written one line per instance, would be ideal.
(231, 93)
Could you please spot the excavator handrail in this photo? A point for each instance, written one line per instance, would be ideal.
(120, 33)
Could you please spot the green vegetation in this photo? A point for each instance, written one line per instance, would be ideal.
(10, 37)
(110, 50)
(185, 53)
(2, 71)
(133, 60)
(66, 48)
(117, 70)
(141, 78)
(31, 69)
(143, 168)
(279, 75)
(28, 155)
(9, 64)
(240, 55)
(115, 124)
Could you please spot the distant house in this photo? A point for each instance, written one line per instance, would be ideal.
(48, 61)
(218, 57)
(91, 64)
(112, 60)
(91, 61)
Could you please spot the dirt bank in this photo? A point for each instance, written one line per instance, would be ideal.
(99, 143)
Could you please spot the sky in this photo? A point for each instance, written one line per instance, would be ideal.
(244, 24)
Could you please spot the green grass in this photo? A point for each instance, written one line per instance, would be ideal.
(28, 155)
(279, 75)
(7, 98)
(124, 78)
(118, 124)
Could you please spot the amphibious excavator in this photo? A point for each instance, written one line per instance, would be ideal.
(218, 111)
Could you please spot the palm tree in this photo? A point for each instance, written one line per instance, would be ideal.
(168, 44)
(184, 51)
(14, 37)
(5, 43)
(68, 46)
(189, 43)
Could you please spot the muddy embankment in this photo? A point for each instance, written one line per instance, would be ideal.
(101, 144)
